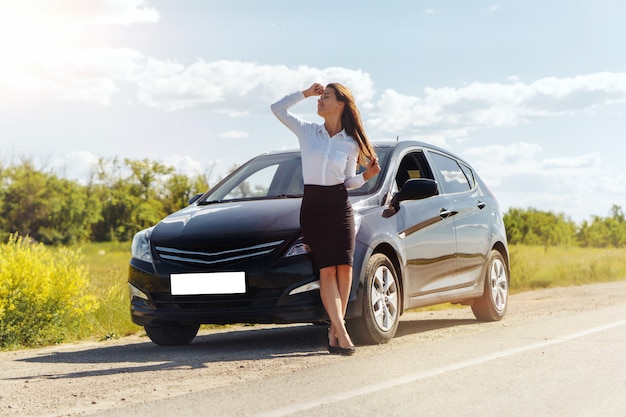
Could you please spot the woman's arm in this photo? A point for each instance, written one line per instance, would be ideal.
(356, 181)
(282, 113)
(353, 180)
(293, 122)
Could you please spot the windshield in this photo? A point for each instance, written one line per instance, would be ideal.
(274, 176)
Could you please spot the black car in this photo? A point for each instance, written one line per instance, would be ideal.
(428, 231)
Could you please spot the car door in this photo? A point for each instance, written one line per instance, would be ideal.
(470, 216)
(426, 231)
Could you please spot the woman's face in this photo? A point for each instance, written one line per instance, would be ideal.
(328, 104)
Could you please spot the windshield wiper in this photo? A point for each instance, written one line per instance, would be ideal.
(207, 202)
(287, 196)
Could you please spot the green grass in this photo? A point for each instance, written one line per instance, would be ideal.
(108, 271)
(531, 268)
(534, 267)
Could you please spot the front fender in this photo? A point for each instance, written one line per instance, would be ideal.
(386, 243)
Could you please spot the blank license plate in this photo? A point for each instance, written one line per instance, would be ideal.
(208, 283)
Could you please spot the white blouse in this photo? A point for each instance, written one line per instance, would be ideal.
(325, 160)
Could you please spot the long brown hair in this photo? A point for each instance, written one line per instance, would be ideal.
(351, 122)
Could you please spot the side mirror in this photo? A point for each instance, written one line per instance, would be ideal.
(415, 189)
(194, 198)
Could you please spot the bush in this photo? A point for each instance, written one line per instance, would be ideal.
(42, 293)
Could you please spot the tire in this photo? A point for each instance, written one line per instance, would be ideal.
(172, 334)
(493, 303)
(380, 316)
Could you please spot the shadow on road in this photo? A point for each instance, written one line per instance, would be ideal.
(410, 327)
(237, 345)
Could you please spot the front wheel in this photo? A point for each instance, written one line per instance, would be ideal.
(380, 316)
(492, 305)
(172, 334)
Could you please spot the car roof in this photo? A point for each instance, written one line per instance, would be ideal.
(390, 144)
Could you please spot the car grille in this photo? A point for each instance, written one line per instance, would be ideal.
(206, 258)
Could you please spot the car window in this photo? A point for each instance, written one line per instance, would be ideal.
(413, 165)
(372, 185)
(255, 185)
(269, 176)
(469, 174)
(277, 176)
(452, 177)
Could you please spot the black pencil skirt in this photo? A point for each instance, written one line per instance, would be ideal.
(327, 223)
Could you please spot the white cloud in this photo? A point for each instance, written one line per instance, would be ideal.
(497, 162)
(90, 75)
(480, 105)
(592, 160)
(236, 86)
(520, 173)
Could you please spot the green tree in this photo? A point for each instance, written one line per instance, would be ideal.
(23, 203)
(117, 200)
(146, 178)
(70, 213)
(47, 208)
(604, 232)
(132, 194)
(122, 197)
(180, 188)
(534, 227)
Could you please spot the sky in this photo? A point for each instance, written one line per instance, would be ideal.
(531, 93)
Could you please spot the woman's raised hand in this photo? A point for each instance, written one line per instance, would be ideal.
(314, 90)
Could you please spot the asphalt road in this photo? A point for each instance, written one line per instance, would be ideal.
(558, 352)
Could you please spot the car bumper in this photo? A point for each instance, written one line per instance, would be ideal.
(284, 295)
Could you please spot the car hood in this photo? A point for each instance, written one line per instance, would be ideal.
(232, 223)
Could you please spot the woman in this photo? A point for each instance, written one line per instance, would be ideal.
(330, 154)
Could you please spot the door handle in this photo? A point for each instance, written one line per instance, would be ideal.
(481, 205)
(443, 213)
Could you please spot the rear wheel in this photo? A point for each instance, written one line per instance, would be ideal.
(381, 303)
(492, 305)
(172, 334)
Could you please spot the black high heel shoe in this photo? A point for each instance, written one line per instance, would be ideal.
(332, 349)
(338, 350)
(347, 351)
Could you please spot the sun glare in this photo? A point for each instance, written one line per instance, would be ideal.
(27, 32)
(29, 37)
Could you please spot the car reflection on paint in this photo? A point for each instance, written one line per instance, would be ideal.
(428, 231)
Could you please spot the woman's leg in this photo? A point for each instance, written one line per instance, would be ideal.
(335, 283)
(329, 293)
(344, 283)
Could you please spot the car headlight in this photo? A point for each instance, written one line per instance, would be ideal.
(140, 247)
